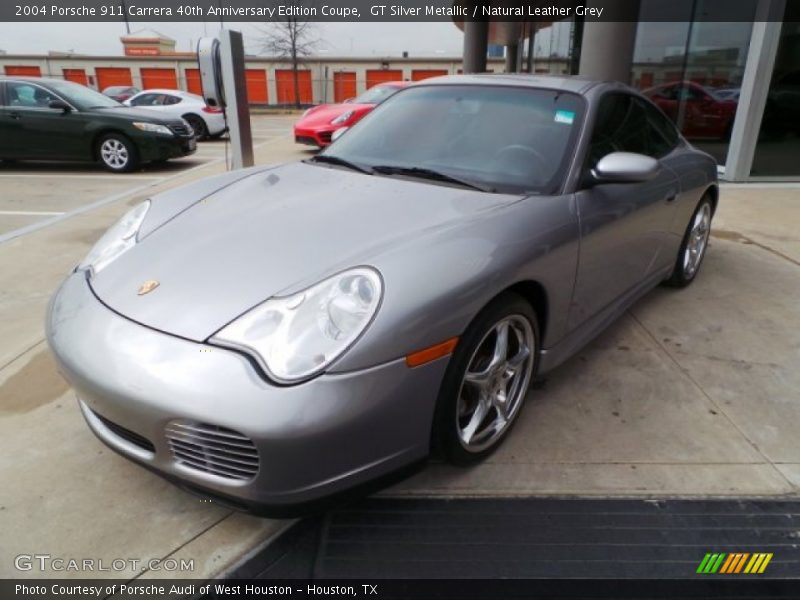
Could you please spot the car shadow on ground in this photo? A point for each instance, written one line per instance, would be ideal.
(86, 168)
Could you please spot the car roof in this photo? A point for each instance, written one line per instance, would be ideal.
(166, 91)
(41, 80)
(567, 83)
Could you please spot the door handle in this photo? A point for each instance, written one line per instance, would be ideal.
(671, 196)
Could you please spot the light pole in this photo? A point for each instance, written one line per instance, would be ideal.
(125, 16)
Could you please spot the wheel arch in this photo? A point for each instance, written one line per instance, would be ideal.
(95, 148)
(192, 114)
(713, 192)
(536, 295)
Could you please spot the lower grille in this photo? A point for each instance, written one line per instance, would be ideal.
(126, 434)
(325, 136)
(305, 139)
(181, 129)
(213, 449)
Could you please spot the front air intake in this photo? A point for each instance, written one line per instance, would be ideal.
(213, 449)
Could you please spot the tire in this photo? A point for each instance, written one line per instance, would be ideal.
(478, 381)
(199, 126)
(117, 153)
(694, 245)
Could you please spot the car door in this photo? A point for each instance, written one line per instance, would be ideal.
(40, 131)
(624, 226)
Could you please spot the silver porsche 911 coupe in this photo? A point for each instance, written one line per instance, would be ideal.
(275, 335)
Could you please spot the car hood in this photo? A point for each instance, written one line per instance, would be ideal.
(133, 114)
(273, 233)
(324, 114)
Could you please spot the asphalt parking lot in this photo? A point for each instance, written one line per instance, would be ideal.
(694, 393)
(40, 193)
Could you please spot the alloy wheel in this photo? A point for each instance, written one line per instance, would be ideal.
(495, 382)
(698, 240)
(114, 153)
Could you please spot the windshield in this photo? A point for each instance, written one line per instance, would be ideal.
(510, 139)
(376, 95)
(82, 97)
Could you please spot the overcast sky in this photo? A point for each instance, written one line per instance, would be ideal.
(359, 39)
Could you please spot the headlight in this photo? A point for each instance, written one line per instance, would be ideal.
(120, 238)
(344, 118)
(153, 128)
(296, 337)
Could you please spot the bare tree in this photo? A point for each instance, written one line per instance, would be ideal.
(290, 38)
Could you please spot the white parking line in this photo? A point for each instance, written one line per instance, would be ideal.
(111, 199)
(112, 176)
(29, 213)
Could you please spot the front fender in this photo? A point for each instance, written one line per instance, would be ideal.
(436, 284)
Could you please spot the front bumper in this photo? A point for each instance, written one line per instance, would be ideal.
(314, 137)
(162, 147)
(313, 439)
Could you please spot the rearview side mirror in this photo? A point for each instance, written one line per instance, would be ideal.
(624, 167)
(60, 105)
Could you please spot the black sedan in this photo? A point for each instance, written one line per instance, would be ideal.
(47, 119)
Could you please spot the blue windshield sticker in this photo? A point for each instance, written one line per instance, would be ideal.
(565, 116)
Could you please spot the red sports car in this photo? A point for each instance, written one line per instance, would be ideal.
(705, 115)
(317, 124)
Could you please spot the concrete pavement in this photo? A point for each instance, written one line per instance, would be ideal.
(694, 392)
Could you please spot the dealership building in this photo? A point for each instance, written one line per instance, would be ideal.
(733, 87)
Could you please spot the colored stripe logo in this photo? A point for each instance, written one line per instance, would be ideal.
(734, 563)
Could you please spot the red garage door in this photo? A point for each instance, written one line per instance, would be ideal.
(159, 78)
(256, 86)
(21, 71)
(108, 76)
(376, 76)
(76, 76)
(344, 86)
(284, 85)
(193, 83)
(420, 74)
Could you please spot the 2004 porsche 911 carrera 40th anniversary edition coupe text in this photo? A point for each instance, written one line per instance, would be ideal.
(271, 336)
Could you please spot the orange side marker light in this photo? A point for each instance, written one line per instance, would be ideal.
(431, 353)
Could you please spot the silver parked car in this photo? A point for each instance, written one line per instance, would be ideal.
(271, 336)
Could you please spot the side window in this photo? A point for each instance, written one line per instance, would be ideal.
(170, 100)
(26, 95)
(669, 93)
(663, 136)
(143, 100)
(620, 126)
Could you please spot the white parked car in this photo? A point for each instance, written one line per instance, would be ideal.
(207, 121)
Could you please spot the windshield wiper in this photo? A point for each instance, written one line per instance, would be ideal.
(336, 160)
(430, 174)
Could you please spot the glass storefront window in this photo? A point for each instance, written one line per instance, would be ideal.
(778, 147)
(693, 71)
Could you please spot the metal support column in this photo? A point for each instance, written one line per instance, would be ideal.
(755, 87)
(512, 51)
(476, 41)
(609, 45)
(237, 110)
